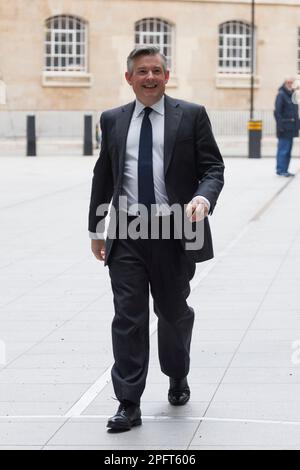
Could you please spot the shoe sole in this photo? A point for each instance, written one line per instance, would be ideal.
(124, 427)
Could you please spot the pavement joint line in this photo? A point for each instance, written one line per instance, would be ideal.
(89, 396)
(272, 199)
(152, 418)
(54, 433)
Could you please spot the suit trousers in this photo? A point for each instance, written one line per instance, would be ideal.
(138, 267)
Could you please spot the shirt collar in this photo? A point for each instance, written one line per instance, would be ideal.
(159, 107)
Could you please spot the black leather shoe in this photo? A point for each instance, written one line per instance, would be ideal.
(127, 416)
(179, 392)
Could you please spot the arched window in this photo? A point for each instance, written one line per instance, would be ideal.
(234, 47)
(158, 33)
(65, 44)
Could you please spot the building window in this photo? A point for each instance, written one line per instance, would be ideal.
(65, 44)
(234, 47)
(156, 32)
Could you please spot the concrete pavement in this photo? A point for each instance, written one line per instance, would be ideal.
(56, 310)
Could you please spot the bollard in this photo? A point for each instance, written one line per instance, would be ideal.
(88, 136)
(31, 137)
(255, 134)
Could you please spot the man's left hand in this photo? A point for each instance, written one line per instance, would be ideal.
(197, 209)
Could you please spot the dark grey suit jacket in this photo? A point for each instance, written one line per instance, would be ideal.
(191, 156)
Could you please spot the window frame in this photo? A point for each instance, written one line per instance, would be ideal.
(143, 33)
(60, 37)
(234, 40)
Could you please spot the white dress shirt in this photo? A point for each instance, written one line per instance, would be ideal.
(130, 177)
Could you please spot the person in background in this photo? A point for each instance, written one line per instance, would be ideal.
(287, 125)
(98, 135)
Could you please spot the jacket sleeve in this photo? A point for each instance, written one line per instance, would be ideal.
(279, 108)
(210, 165)
(102, 185)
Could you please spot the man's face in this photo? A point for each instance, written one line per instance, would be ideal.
(148, 79)
(289, 84)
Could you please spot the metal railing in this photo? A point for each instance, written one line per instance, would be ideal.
(69, 124)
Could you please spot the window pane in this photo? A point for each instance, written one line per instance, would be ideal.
(234, 43)
(149, 31)
(60, 34)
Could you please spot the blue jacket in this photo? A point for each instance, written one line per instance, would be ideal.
(286, 114)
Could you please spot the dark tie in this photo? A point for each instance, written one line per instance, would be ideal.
(145, 165)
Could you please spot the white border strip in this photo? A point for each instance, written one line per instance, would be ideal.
(90, 395)
(154, 418)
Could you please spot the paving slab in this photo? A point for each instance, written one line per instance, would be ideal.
(233, 434)
(92, 433)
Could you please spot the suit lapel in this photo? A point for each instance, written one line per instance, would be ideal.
(122, 127)
(173, 115)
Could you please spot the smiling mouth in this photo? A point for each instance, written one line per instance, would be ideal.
(149, 87)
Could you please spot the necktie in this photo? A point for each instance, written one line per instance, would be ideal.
(145, 166)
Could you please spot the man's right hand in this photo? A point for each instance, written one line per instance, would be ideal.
(98, 249)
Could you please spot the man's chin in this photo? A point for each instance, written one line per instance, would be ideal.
(152, 95)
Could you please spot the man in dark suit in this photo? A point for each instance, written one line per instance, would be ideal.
(157, 153)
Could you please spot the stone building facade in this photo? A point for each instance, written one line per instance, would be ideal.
(70, 54)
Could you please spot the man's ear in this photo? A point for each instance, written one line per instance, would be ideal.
(128, 78)
(167, 76)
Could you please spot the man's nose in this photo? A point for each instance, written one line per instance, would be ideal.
(150, 74)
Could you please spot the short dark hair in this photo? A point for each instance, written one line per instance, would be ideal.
(145, 50)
